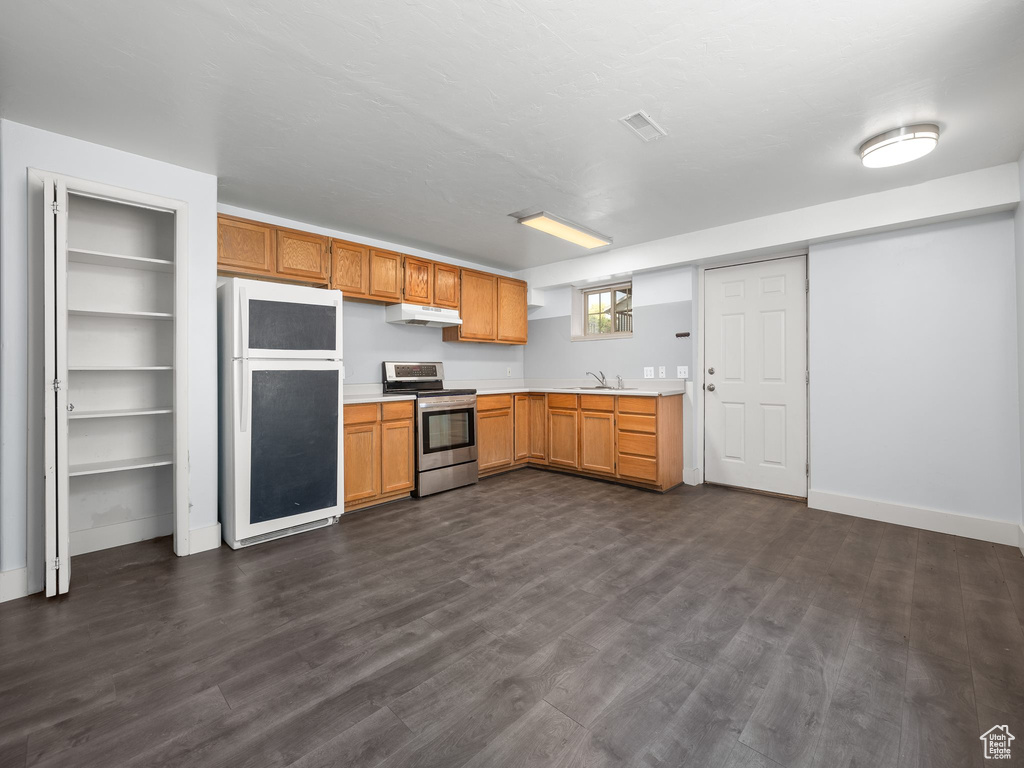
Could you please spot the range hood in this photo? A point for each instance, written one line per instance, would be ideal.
(416, 314)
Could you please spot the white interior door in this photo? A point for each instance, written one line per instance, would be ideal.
(755, 385)
(55, 422)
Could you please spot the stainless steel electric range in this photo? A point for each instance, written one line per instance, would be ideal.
(446, 453)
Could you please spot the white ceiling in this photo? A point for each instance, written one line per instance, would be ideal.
(428, 122)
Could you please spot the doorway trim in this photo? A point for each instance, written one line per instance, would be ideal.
(698, 380)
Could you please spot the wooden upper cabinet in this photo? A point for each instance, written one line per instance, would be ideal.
(301, 255)
(479, 307)
(350, 268)
(385, 275)
(446, 286)
(419, 281)
(512, 323)
(245, 246)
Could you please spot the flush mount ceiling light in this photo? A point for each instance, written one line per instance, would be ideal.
(899, 146)
(559, 227)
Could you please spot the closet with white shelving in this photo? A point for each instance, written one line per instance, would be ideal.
(115, 314)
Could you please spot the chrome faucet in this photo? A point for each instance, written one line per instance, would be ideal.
(600, 379)
(620, 384)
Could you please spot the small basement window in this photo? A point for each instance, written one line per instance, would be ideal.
(602, 312)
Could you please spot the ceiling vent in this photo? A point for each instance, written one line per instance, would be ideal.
(643, 126)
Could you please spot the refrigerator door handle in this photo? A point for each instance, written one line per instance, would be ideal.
(243, 322)
(243, 417)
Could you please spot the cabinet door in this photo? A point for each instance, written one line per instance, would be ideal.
(563, 439)
(385, 275)
(362, 461)
(245, 246)
(446, 286)
(512, 323)
(479, 318)
(597, 441)
(538, 427)
(396, 456)
(522, 441)
(494, 439)
(301, 255)
(350, 268)
(419, 283)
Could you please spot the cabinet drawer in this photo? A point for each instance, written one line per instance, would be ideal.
(362, 413)
(640, 445)
(638, 468)
(634, 423)
(403, 409)
(597, 402)
(637, 404)
(493, 402)
(562, 401)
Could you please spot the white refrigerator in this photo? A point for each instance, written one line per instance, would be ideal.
(281, 440)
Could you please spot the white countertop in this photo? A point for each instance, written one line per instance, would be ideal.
(677, 389)
(357, 399)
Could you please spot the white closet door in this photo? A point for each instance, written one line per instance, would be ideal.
(55, 415)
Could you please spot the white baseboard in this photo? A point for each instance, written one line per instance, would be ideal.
(1020, 538)
(982, 528)
(692, 476)
(204, 539)
(118, 534)
(13, 584)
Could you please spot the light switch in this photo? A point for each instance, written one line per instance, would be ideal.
(661, 371)
(649, 372)
(682, 371)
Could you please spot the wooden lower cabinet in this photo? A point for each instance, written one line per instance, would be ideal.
(597, 442)
(362, 462)
(634, 440)
(495, 433)
(521, 412)
(563, 434)
(380, 459)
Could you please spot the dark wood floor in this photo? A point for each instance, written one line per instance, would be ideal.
(533, 620)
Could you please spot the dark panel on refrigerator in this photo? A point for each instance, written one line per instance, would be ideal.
(294, 443)
(286, 325)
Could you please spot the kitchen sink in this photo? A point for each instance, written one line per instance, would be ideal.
(606, 389)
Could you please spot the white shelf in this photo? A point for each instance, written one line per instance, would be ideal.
(99, 467)
(120, 367)
(118, 413)
(128, 315)
(83, 256)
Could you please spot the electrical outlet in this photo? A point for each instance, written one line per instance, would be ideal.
(508, 371)
(682, 371)
(661, 371)
(649, 372)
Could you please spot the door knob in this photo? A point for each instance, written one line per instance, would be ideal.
(711, 387)
(711, 371)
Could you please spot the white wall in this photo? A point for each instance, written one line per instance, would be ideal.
(914, 388)
(369, 340)
(23, 147)
(1018, 222)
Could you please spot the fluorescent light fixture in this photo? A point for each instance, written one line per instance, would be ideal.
(574, 233)
(899, 146)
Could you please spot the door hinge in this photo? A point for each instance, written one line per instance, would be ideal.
(807, 285)
(807, 377)
(56, 206)
(807, 469)
(56, 563)
(56, 385)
